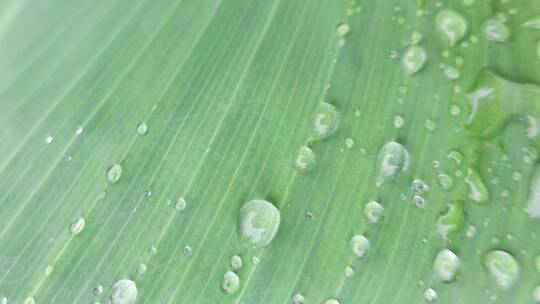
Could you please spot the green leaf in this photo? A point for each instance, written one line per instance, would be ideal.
(133, 132)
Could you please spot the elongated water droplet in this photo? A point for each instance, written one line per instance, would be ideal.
(451, 220)
(236, 262)
(77, 225)
(495, 30)
(414, 59)
(430, 295)
(451, 26)
(477, 190)
(79, 130)
(124, 292)
(503, 267)
(259, 222)
(538, 49)
(360, 245)
(373, 212)
(392, 159)
(533, 203)
(230, 283)
(142, 128)
(304, 159)
(325, 122)
(446, 265)
(48, 270)
(114, 172)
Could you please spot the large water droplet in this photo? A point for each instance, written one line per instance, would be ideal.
(414, 59)
(373, 212)
(77, 225)
(325, 122)
(114, 172)
(392, 159)
(124, 292)
(230, 283)
(446, 265)
(451, 26)
(451, 220)
(502, 266)
(360, 245)
(259, 222)
(304, 159)
(496, 31)
(477, 190)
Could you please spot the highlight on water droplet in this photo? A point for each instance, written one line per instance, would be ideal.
(77, 225)
(230, 283)
(502, 267)
(451, 220)
(259, 222)
(325, 122)
(430, 295)
(304, 159)
(374, 212)
(236, 262)
(392, 159)
(451, 26)
(360, 245)
(124, 292)
(142, 128)
(413, 59)
(477, 190)
(114, 172)
(446, 265)
(496, 30)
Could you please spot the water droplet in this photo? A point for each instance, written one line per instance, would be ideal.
(357, 112)
(455, 156)
(152, 251)
(533, 202)
(445, 181)
(451, 72)
(360, 245)
(502, 266)
(298, 299)
(30, 300)
(147, 193)
(230, 283)
(495, 30)
(533, 23)
(124, 292)
(446, 265)
(343, 29)
(255, 260)
(48, 139)
(451, 220)
(398, 122)
(326, 120)
(259, 222)
(536, 294)
(348, 271)
(477, 190)
(98, 290)
(455, 110)
(374, 212)
(451, 26)
(419, 187)
(48, 270)
(180, 204)
(416, 37)
(236, 262)
(142, 128)
(114, 172)
(349, 142)
(414, 59)
(430, 124)
(430, 295)
(79, 130)
(187, 250)
(471, 231)
(77, 225)
(141, 269)
(331, 301)
(392, 159)
(419, 201)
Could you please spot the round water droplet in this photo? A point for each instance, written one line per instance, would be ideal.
(451, 220)
(374, 212)
(255, 260)
(455, 156)
(430, 295)
(298, 299)
(180, 204)
(187, 250)
(114, 172)
(152, 251)
(419, 187)
(502, 266)
(230, 283)
(48, 139)
(471, 231)
(455, 110)
(451, 72)
(349, 271)
(477, 191)
(430, 124)
(77, 225)
(398, 122)
(325, 122)
(414, 59)
(343, 30)
(360, 245)
(142, 128)
(446, 265)
(236, 262)
(349, 142)
(304, 159)
(79, 130)
(392, 159)
(445, 181)
(124, 292)
(495, 30)
(451, 26)
(419, 201)
(259, 222)
(141, 269)
(98, 290)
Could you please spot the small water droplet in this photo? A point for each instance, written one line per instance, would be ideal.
(343, 29)
(298, 299)
(48, 139)
(142, 128)
(533, 202)
(114, 172)
(124, 292)
(360, 245)
(455, 156)
(326, 120)
(152, 251)
(230, 283)
(430, 295)
(374, 212)
(147, 193)
(496, 31)
(471, 231)
(79, 130)
(416, 37)
(348, 271)
(451, 72)
(141, 269)
(445, 181)
(430, 124)
(77, 225)
(398, 122)
(259, 222)
(502, 266)
(255, 260)
(349, 142)
(419, 187)
(446, 265)
(392, 159)
(180, 204)
(98, 290)
(236, 262)
(413, 59)
(455, 110)
(451, 26)
(48, 270)
(187, 250)
(419, 201)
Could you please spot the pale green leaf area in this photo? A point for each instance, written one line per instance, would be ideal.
(133, 132)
